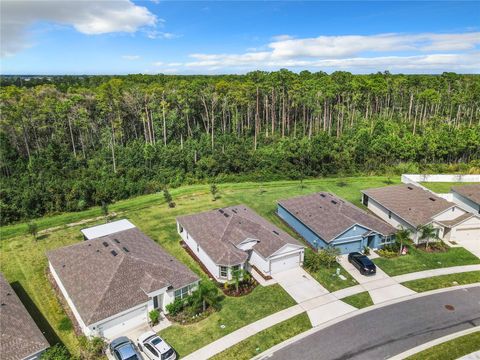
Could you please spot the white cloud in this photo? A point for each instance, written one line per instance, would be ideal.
(87, 17)
(154, 34)
(158, 63)
(131, 57)
(358, 53)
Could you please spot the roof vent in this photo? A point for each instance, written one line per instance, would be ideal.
(432, 199)
(117, 241)
(226, 215)
(8, 294)
(125, 249)
(234, 210)
(334, 202)
(113, 252)
(98, 250)
(322, 195)
(105, 244)
(276, 232)
(3, 304)
(409, 188)
(221, 211)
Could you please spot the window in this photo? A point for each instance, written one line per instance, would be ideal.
(151, 349)
(183, 292)
(365, 200)
(223, 271)
(389, 214)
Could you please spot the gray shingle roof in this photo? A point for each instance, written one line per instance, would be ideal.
(219, 232)
(329, 216)
(471, 192)
(412, 203)
(20, 336)
(456, 221)
(102, 285)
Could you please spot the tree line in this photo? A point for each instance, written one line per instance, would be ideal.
(70, 142)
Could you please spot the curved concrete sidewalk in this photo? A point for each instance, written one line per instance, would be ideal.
(325, 306)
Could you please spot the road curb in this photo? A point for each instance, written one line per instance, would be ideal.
(432, 343)
(298, 337)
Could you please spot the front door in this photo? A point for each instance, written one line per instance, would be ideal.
(158, 301)
(371, 241)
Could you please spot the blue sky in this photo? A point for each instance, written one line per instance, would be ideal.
(122, 36)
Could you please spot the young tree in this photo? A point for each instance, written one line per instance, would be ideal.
(214, 191)
(402, 236)
(206, 294)
(427, 233)
(238, 275)
(33, 229)
(168, 198)
(105, 209)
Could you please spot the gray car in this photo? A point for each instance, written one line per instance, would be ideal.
(124, 349)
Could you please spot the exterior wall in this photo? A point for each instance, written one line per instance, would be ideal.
(467, 204)
(417, 178)
(309, 236)
(450, 214)
(84, 328)
(260, 262)
(200, 253)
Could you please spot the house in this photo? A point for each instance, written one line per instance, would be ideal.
(112, 282)
(20, 336)
(324, 219)
(468, 197)
(236, 237)
(409, 206)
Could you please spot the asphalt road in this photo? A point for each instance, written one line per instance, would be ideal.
(391, 330)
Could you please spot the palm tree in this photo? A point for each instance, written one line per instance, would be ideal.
(428, 232)
(402, 236)
(206, 294)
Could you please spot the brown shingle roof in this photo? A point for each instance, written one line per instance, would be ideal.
(412, 203)
(456, 221)
(219, 232)
(20, 336)
(102, 285)
(328, 215)
(471, 192)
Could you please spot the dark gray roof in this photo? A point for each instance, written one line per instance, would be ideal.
(102, 285)
(219, 232)
(412, 203)
(20, 336)
(471, 192)
(329, 216)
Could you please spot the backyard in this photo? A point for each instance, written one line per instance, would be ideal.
(443, 187)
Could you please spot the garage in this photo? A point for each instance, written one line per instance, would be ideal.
(472, 233)
(347, 248)
(121, 324)
(285, 262)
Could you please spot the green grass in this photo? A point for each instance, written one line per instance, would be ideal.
(443, 281)
(265, 339)
(443, 187)
(419, 260)
(328, 278)
(359, 301)
(452, 349)
(236, 312)
(24, 263)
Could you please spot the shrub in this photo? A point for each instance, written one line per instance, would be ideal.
(168, 198)
(366, 250)
(175, 307)
(56, 352)
(91, 348)
(328, 256)
(214, 191)
(33, 229)
(386, 253)
(312, 261)
(154, 316)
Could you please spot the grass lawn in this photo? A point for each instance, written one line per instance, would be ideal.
(236, 312)
(359, 301)
(443, 281)
(419, 260)
(327, 278)
(23, 260)
(265, 339)
(452, 349)
(443, 187)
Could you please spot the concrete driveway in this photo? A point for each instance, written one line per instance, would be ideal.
(472, 245)
(380, 286)
(299, 284)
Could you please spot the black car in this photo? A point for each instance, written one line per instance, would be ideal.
(362, 263)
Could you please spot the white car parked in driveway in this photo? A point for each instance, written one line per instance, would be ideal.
(154, 347)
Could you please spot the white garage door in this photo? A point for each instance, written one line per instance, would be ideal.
(285, 262)
(124, 323)
(468, 234)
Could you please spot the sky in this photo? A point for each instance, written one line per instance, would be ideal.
(198, 37)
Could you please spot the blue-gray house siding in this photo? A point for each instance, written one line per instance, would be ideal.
(349, 241)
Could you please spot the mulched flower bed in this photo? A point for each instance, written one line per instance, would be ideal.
(185, 318)
(244, 288)
(433, 247)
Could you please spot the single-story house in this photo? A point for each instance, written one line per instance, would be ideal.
(324, 220)
(468, 197)
(237, 238)
(111, 283)
(21, 339)
(409, 206)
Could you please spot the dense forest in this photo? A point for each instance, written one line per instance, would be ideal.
(67, 143)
